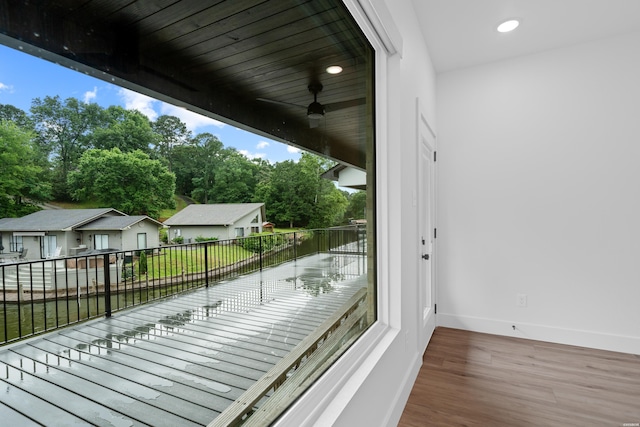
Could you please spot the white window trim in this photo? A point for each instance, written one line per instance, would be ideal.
(327, 398)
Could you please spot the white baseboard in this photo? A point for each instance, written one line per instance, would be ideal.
(611, 342)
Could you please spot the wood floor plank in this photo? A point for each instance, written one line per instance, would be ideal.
(473, 379)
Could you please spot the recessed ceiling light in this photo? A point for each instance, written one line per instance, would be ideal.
(509, 25)
(334, 69)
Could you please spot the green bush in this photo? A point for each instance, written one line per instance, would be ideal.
(164, 237)
(178, 239)
(269, 241)
(206, 239)
(142, 263)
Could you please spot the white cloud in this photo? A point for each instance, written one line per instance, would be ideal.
(249, 155)
(136, 101)
(262, 144)
(194, 121)
(6, 88)
(90, 95)
(292, 150)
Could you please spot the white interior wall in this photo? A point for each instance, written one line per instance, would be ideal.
(539, 170)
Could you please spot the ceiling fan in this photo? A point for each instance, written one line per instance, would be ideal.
(316, 110)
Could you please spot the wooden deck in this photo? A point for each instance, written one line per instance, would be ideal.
(180, 361)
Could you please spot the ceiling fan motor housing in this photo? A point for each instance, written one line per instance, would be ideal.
(315, 110)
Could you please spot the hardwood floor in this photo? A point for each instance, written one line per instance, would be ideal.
(474, 379)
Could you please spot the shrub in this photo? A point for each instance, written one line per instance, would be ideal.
(142, 263)
(178, 239)
(269, 241)
(206, 239)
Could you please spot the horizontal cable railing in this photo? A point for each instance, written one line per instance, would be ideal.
(42, 295)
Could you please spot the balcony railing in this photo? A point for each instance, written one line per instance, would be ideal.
(43, 295)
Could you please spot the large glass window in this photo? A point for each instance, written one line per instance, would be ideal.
(292, 72)
(15, 244)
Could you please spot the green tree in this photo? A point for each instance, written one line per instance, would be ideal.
(63, 133)
(20, 176)
(296, 194)
(357, 205)
(16, 115)
(195, 164)
(327, 203)
(171, 132)
(130, 182)
(234, 178)
(128, 130)
(281, 196)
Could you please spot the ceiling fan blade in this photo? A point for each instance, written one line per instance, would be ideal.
(335, 106)
(286, 104)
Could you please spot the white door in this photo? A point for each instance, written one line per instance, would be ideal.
(426, 232)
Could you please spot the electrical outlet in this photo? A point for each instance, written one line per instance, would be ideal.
(521, 300)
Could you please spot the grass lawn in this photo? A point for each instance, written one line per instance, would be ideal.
(87, 204)
(175, 261)
(168, 213)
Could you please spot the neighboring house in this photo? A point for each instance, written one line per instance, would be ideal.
(123, 232)
(347, 176)
(223, 221)
(61, 232)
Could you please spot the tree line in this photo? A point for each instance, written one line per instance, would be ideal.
(69, 150)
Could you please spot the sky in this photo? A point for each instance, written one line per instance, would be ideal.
(24, 77)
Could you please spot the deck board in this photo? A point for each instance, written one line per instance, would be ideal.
(179, 361)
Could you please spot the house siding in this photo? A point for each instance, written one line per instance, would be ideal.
(190, 232)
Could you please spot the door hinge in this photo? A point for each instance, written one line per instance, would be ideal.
(435, 308)
(435, 233)
(434, 156)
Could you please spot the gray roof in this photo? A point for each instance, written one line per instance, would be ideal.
(116, 222)
(55, 219)
(214, 214)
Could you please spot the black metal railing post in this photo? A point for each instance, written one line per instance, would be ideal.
(260, 237)
(206, 264)
(4, 305)
(107, 286)
(19, 289)
(295, 246)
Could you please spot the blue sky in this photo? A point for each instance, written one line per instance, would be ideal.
(24, 77)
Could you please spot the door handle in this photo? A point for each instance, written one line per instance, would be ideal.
(425, 256)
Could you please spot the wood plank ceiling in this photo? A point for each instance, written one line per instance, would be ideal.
(244, 62)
